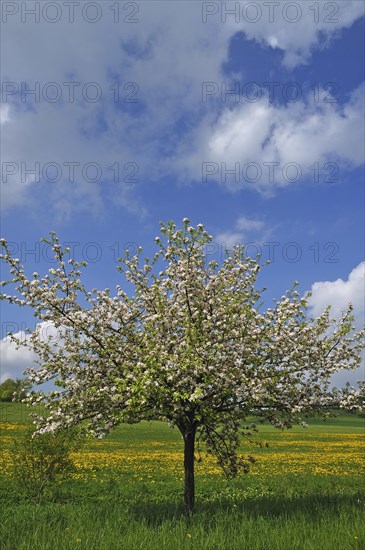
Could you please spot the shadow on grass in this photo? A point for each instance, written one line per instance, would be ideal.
(310, 507)
(112, 502)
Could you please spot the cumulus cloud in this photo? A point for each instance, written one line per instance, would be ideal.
(263, 146)
(154, 55)
(296, 28)
(166, 55)
(14, 360)
(339, 294)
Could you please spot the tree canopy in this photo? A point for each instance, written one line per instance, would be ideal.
(191, 345)
(14, 390)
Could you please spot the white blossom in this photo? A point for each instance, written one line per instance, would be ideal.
(190, 347)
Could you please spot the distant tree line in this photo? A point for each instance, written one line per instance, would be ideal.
(14, 390)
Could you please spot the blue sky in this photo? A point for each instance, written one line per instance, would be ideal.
(135, 100)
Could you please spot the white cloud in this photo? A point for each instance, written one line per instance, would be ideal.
(14, 361)
(297, 28)
(4, 113)
(240, 149)
(339, 294)
(247, 224)
(246, 230)
(169, 53)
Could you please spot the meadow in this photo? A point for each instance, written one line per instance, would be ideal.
(306, 491)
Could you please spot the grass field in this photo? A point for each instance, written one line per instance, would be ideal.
(306, 491)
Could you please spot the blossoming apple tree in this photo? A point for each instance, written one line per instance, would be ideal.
(189, 346)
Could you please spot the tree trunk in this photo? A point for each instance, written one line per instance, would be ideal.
(189, 493)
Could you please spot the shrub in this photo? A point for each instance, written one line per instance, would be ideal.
(6, 396)
(40, 461)
(14, 390)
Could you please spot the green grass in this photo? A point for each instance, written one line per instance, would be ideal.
(17, 412)
(138, 504)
